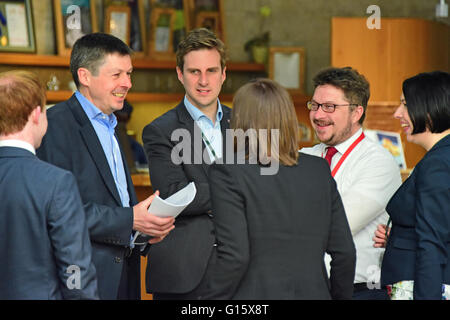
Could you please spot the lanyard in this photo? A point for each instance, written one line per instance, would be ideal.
(345, 155)
(208, 144)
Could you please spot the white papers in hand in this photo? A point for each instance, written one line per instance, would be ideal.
(173, 205)
(170, 207)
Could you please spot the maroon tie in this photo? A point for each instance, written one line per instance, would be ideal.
(331, 151)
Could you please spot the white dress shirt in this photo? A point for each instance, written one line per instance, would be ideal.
(17, 144)
(366, 181)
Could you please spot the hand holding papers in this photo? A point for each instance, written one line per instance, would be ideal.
(173, 205)
(170, 207)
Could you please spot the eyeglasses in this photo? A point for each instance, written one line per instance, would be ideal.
(326, 107)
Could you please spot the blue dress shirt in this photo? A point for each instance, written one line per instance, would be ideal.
(210, 130)
(104, 127)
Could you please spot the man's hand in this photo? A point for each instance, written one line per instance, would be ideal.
(380, 237)
(147, 223)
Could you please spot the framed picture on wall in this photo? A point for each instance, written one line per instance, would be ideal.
(127, 21)
(161, 28)
(73, 19)
(161, 34)
(16, 27)
(209, 20)
(208, 14)
(391, 141)
(287, 67)
(118, 22)
(305, 132)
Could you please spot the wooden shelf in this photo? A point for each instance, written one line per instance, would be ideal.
(141, 180)
(57, 96)
(30, 59)
(133, 97)
(243, 66)
(384, 103)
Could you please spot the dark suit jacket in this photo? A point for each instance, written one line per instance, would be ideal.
(71, 143)
(418, 247)
(177, 264)
(42, 231)
(273, 231)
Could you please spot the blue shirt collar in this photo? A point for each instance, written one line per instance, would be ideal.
(196, 114)
(95, 113)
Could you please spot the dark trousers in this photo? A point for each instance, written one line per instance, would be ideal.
(195, 294)
(129, 287)
(176, 296)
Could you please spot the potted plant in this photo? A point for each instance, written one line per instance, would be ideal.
(258, 47)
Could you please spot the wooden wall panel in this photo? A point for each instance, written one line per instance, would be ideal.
(353, 44)
(402, 48)
(416, 46)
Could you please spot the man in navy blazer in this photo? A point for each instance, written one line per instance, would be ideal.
(44, 242)
(81, 139)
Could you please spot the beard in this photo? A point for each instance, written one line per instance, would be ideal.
(336, 137)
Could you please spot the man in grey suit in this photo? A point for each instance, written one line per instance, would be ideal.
(44, 242)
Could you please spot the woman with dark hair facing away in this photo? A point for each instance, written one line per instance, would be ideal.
(416, 262)
(276, 211)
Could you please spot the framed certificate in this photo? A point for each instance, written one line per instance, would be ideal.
(287, 67)
(16, 26)
(118, 22)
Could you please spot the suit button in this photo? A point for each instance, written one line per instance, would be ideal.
(117, 260)
(215, 245)
(210, 213)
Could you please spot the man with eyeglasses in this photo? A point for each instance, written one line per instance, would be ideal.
(366, 174)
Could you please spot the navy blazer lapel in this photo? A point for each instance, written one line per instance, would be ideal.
(224, 125)
(186, 122)
(189, 124)
(130, 185)
(94, 146)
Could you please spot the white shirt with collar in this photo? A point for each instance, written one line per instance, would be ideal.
(366, 181)
(18, 144)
